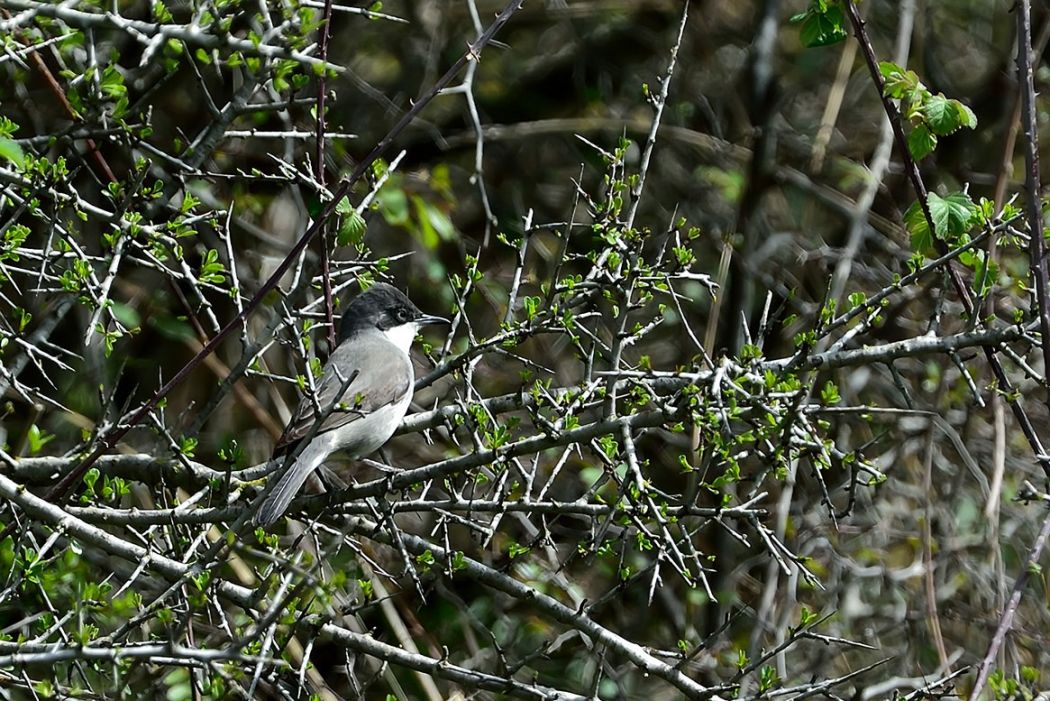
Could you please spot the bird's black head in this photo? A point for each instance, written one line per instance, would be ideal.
(382, 307)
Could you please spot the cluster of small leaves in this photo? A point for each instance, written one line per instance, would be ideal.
(954, 215)
(351, 229)
(66, 580)
(9, 149)
(821, 24)
(1008, 688)
(930, 115)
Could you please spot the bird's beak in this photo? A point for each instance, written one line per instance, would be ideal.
(427, 320)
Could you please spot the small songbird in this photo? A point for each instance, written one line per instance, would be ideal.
(363, 393)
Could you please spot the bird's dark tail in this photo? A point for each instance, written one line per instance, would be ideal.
(290, 483)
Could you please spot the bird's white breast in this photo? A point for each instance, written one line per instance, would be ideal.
(382, 423)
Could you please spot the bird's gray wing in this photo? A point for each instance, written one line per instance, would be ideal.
(387, 380)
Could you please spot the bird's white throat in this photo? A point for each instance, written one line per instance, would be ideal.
(403, 335)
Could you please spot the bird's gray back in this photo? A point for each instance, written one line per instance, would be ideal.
(387, 382)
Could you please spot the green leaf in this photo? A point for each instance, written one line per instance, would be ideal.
(532, 305)
(966, 116)
(112, 83)
(918, 227)
(821, 28)
(187, 446)
(212, 269)
(394, 205)
(951, 214)
(36, 439)
(11, 151)
(7, 127)
(12, 241)
(830, 393)
(160, 12)
(351, 230)
(436, 218)
(126, 315)
(24, 318)
(921, 142)
(940, 114)
(947, 116)
(898, 82)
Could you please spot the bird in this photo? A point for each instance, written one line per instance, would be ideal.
(364, 390)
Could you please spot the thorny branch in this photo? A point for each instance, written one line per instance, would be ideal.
(577, 453)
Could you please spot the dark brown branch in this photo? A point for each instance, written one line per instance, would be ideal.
(1033, 203)
(319, 173)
